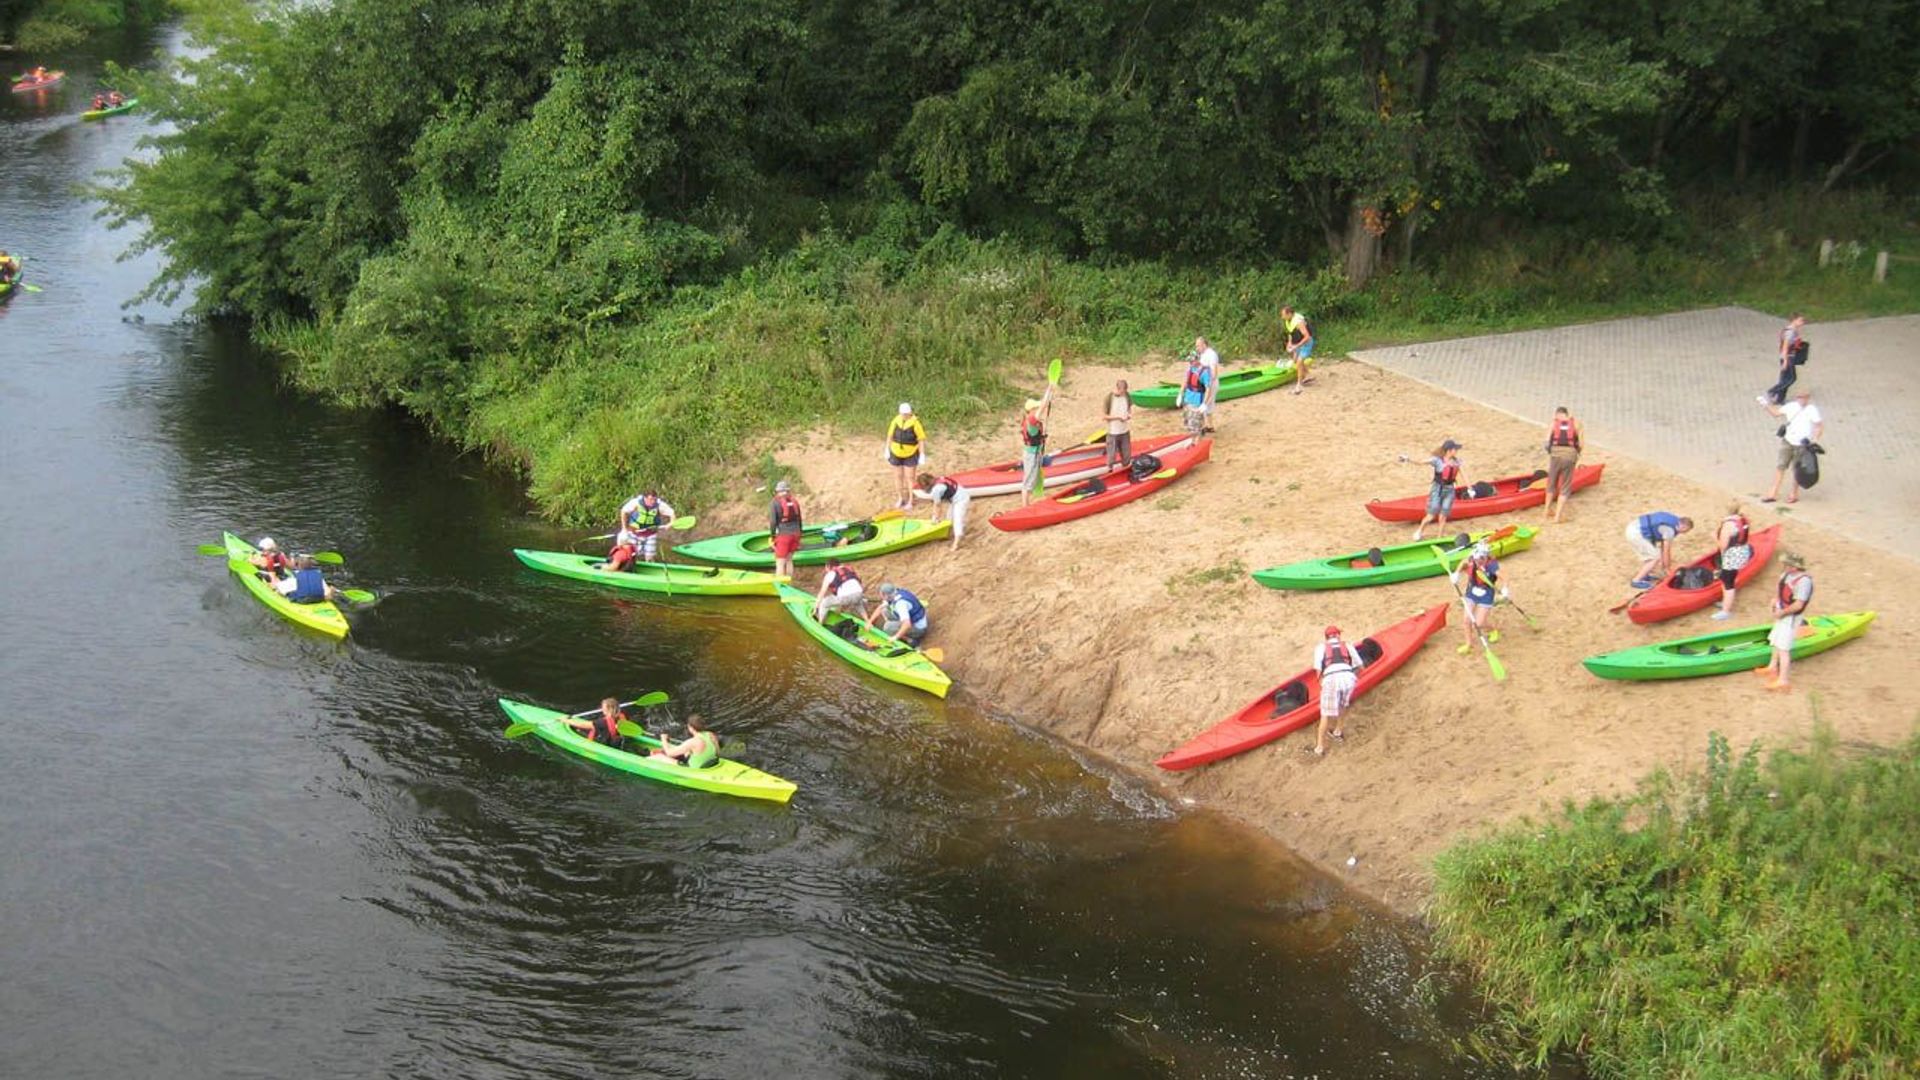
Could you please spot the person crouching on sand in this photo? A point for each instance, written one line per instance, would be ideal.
(1338, 664)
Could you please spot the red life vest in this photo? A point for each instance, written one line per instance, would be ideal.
(787, 508)
(952, 486)
(1564, 435)
(1033, 432)
(607, 731)
(1446, 473)
(1337, 654)
(1479, 574)
(1194, 382)
(840, 576)
(1740, 531)
(276, 562)
(1787, 582)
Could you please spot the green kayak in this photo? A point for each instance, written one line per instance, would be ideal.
(1727, 651)
(652, 576)
(847, 540)
(887, 659)
(723, 777)
(322, 616)
(1166, 395)
(115, 110)
(1382, 566)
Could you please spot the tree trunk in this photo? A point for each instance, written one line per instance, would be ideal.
(1802, 132)
(1404, 229)
(1844, 165)
(1742, 150)
(1363, 247)
(1662, 125)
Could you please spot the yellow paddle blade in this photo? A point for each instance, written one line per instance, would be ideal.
(888, 515)
(935, 654)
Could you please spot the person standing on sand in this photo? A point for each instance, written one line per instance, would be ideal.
(1651, 537)
(784, 524)
(1481, 572)
(1790, 601)
(1337, 662)
(1732, 551)
(1804, 426)
(1563, 455)
(1445, 463)
(1033, 444)
(1119, 420)
(946, 492)
(1209, 359)
(1195, 387)
(1299, 334)
(906, 451)
(1793, 353)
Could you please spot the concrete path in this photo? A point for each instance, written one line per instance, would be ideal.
(1678, 391)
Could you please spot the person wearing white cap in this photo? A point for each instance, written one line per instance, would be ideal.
(270, 558)
(784, 524)
(906, 449)
(1033, 444)
(1482, 573)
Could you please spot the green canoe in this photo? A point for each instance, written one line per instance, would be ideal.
(652, 576)
(1401, 562)
(723, 777)
(95, 114)
(887, 659)
(322, 616)
(856, 540)
(1166, 395)
(1726, 651)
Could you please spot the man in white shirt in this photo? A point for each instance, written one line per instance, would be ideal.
(1802, 429)
(1209, 359)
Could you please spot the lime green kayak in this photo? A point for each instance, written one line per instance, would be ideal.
(845, 540)
(887, 659)
(1253, 380)
(125, 106)
(1726, 651)
(321, 616)
(723, 777)
(651, 576)
(1382, 566)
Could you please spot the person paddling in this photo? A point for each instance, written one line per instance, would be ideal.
(698, 750)
(906, 450)
(1300, 340)
(1732, 551)
(1338, 664)
(840, 590)
(304, 584)
(1563, 455)
(1651, 536)
(9, 268)
(905, 616)
(604, 726)
(1445, 463)
(99, 102)
(1481, 574)
(1790, 599)
(644, 516)
(1033, 443)
(269, 559)
(944, 492)
(785, 525)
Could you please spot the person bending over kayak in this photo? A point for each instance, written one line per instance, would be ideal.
(1732, 551)
(840, 590)
(1338, 663)
(644, 516)
(1299, 345)
(1563, 455)
(305, 585)
(1446, 466)
(784, 523)
(698, 750)
(906, 450)
(946, 492)
(1790, 599)
(604, 727)
(626, 548)
(1481, 574)
(1033, 443)
(270, 560)
(1651, 536)
(906, 616)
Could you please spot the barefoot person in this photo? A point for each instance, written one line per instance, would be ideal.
(1033, 444)
(1337, 662)
(1802, 429)
(1563, 455)
(840, 590)
(946, 493)
(1481, 574)
(906, 449)
(1790, 601)
(698, 750)
(1119, 425)
(1732, 551)
(1300, 340)
(1445, 463)
(1651, 537)
(784, 524)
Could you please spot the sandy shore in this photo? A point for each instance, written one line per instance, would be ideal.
(1112, 634)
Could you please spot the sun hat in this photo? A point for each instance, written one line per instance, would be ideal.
(1034, 403)
(906, 409)
(1795, 560)
(782, 486)
(266, 544)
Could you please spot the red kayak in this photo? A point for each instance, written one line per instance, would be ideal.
(24, 83)
(1103, 492)
(1296, 703)
(1666, 600)
(1512, 493)
(1069, 466)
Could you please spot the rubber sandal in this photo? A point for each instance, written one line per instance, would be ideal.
(1464, 650)
(1769, 499)
(1493, 636)
(1338, 736)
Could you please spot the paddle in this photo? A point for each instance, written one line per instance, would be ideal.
(679, 524)
(1493, 662)
(932, 652)
(27, 287)
(1508, 597)
(521, 727)
(1163, 474)
(330, 558)
(1053, 372)
(358, 596)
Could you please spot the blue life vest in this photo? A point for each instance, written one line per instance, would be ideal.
(916, 611)
(308, 587)
(1650, 525)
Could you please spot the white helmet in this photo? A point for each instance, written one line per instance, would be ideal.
(266, 544)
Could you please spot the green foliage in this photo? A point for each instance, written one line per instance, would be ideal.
(1757, 919)
(42, 26)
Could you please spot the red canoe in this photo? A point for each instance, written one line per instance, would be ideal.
(1069, 466)
(1512, 493)
(1263, 721)
(1666, 600)
(26, 83)
(1120, 488)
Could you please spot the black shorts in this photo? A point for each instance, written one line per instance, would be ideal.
(1727, 577)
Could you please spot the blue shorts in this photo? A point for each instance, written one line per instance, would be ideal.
(1306, 349)
(1440, 499)
(1481, 595)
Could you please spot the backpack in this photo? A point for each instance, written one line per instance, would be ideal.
(1480, 490)
(1799, 352)
(1693, 577)
(847, 629)
(1289, 697)
(1092, 487)
(1144, 465)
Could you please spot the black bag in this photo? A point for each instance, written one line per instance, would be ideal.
(1480, 490)
(1799, 353)
(1092, 487)
(1806, 467)
(847, 629)
(1693, 577)
(1289, 697)
(1144, 465)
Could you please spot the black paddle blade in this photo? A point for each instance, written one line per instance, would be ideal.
(1463, 541)
(1375, 557)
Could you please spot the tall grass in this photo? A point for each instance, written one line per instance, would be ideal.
(1759, 919)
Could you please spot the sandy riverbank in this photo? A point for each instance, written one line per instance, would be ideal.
(1111, 634)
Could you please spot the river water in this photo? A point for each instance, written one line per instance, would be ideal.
(231, 848)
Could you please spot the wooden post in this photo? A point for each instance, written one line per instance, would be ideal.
(1880, 269)
(1826, 252)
